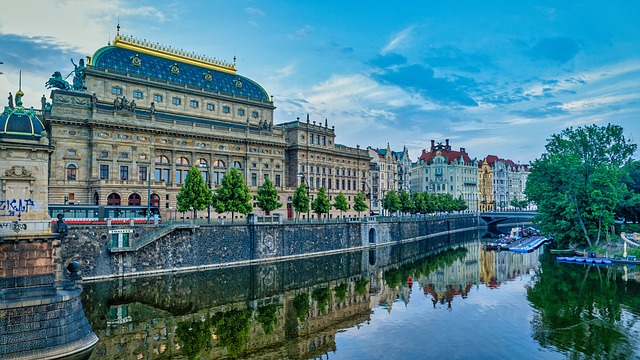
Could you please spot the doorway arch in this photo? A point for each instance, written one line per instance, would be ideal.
(372, 236)
(113, 199)
(134, 199)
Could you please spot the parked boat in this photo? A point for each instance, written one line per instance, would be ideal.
(584, 260)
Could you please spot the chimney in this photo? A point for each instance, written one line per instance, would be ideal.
(424, 151)
(433, 145)
(462, 149)
(446, 145)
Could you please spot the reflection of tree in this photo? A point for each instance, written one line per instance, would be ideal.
(195, 336)
(267, 317)
(361, 286)
(423, 267)
(341, 291)
(232, 328)
(301, 306)
(579, 310)
(322, 296)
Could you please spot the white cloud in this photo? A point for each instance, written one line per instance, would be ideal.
(254, 11)
(398, 39)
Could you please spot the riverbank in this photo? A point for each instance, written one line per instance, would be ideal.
(126, 251)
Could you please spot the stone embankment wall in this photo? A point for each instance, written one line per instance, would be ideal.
(210, 246)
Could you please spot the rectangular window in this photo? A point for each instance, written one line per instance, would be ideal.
(179, 176)
(165, 175)
(137, 94)
(254, 179)
(226, 109)
(324, 141)
(240, 112)
(194, 104)
(277, 184)
(124, 155)
(311, 183)
(104, 172)
(124, 172)
(142, 173)
(176, 101)
(216, 178)
(116, 90)
(311, 139)
(254, 114)
(211, 107)
(157, 97)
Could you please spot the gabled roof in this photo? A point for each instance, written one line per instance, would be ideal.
(451, 155)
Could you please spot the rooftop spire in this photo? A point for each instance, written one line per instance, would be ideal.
(19, 94)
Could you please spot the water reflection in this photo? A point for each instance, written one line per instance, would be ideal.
(581, 310)
(297, 309)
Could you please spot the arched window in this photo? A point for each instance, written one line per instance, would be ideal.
(155, 200)
(162, 160)
(182, 161)
(96, 199)
(113, 199)
(218, 173)
(134, 199)
(71, 172)
(237, 164)
(162, 173)
(181, 173)
(201, 162)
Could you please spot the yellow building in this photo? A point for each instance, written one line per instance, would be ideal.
(485, 187)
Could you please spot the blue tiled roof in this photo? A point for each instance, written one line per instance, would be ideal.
(20, 122)
(156, 67)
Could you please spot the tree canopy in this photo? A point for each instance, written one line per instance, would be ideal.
(321, 204)
(194, 194)
(233, 195)
(301, 200)
(340, 203)
(267, 197)
(391, 202)
(360, 203)
(576, 182)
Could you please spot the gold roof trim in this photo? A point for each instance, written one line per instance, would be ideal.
(168, 52)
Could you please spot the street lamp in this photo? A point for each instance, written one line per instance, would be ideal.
(206, 168)
(148, 197)
(368, 195)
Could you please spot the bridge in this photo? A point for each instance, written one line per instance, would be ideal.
(495, 219)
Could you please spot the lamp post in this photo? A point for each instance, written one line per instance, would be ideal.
(206, 168)
(148, 197)
(368, 195)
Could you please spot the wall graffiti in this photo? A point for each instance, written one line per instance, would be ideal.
(13, 207)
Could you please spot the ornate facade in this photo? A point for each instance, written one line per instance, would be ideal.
(385, 175)
(149, 113)
(443, 170)
(485, 187)
(509, 180)
(314, 158)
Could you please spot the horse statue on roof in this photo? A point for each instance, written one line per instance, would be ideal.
(57, 82)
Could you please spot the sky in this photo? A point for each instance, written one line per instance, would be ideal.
(494, 77)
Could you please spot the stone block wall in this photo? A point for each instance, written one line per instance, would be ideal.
(25, 258)
(227, 245)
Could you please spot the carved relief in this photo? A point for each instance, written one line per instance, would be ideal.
(18, 172)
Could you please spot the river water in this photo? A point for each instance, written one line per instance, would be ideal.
(442, 298)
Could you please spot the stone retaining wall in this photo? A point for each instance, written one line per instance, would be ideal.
(216, 245)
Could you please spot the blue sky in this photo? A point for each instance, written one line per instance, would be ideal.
(494, 77)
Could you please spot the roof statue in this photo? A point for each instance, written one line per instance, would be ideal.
(57, 82)
(78, 75)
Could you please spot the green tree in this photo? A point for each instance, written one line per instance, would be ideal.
(360, 203)
(301, 200)
(233, 195)
(194, 194)
(419, 202)
(629, 200)
(519, 204)
(576, 183)
(340, 203)
(321, 204)
(407, 205)
(459, 204)
(267, 197)
(391, 202)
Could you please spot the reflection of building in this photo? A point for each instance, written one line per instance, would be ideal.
(442, 170)
(150, 113)
(499, 267)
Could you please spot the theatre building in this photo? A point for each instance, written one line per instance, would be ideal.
(146, 115)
